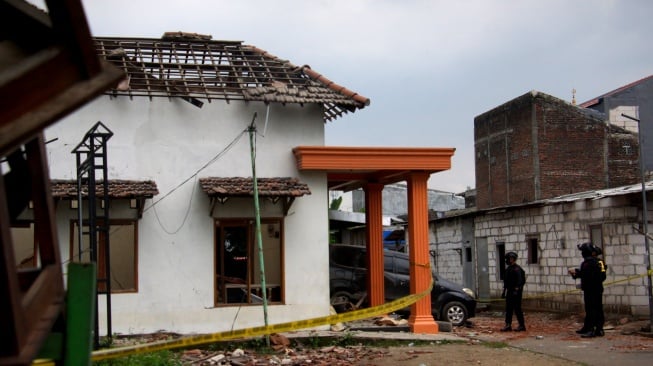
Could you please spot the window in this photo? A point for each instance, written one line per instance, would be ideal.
(596, 235)
(122, 256)
(501, 259)
(237, 264)
(349, 256)
(25, 251)
(402, 266)
(533, 250)
(468, 254)
(388, 263)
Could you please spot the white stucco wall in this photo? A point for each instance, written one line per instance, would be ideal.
(169, 141)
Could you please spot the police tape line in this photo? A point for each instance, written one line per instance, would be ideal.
(204, 339)
(575, 290)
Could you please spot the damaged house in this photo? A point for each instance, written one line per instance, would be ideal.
(179, 165)
(172, 151)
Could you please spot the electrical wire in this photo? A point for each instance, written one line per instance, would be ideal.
(216, 157)
(158, 219)
(194, 175)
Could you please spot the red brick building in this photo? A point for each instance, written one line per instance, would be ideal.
(537, 146)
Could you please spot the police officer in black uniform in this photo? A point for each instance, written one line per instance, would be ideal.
(513, 286)
(591, 274)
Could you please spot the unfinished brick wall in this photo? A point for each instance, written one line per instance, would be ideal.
(537, 146)
(572, 150)
(623, 161)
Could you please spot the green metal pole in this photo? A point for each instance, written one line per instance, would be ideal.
(80, 314)
(259, 239)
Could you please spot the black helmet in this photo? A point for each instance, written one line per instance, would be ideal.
(586, 249)
(509, 255)
(597, 250)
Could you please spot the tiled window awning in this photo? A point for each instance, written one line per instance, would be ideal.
(125, 189)
(279, 188)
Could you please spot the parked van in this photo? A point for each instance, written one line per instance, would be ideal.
(348, 283)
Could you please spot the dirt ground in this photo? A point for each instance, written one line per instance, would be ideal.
(481, 343)
(470, 353)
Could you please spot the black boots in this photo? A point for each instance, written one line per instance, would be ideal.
(508, 328)
(590, 333)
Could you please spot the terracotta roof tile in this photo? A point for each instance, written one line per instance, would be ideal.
(243, 187)
(67, 189)
(194, 67)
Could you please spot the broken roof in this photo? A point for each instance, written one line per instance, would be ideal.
(194, 67)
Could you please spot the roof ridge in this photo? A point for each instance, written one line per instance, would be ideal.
(595, 100)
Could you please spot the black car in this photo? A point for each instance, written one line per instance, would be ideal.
(348, 273)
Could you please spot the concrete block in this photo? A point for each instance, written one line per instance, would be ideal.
(638, 300)
(597, 214)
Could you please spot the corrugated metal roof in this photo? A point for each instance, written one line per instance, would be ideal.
(591, 195)
(572, 197)
(194, 67)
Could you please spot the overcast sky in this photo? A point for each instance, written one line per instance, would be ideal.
(429, 67)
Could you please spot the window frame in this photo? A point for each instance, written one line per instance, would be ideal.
(596, 232)
(221, 285)
(101, 266)
(501, 258)
(533, 247)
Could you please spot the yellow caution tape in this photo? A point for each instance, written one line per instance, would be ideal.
(204, 339)
(575, 290)
(197, 340)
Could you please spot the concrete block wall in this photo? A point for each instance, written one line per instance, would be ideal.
(445, 242)
(559, 228)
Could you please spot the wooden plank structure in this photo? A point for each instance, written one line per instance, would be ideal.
(48, 69)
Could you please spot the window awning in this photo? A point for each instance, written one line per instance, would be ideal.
(127, 189)
(118, 189)
(286, 189)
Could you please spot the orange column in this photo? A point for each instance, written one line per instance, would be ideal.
(420, 320)
(374, 242)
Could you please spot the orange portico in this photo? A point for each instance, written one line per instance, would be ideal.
(371, 168)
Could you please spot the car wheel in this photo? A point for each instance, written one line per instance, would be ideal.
(455, 313)
(342, 301)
